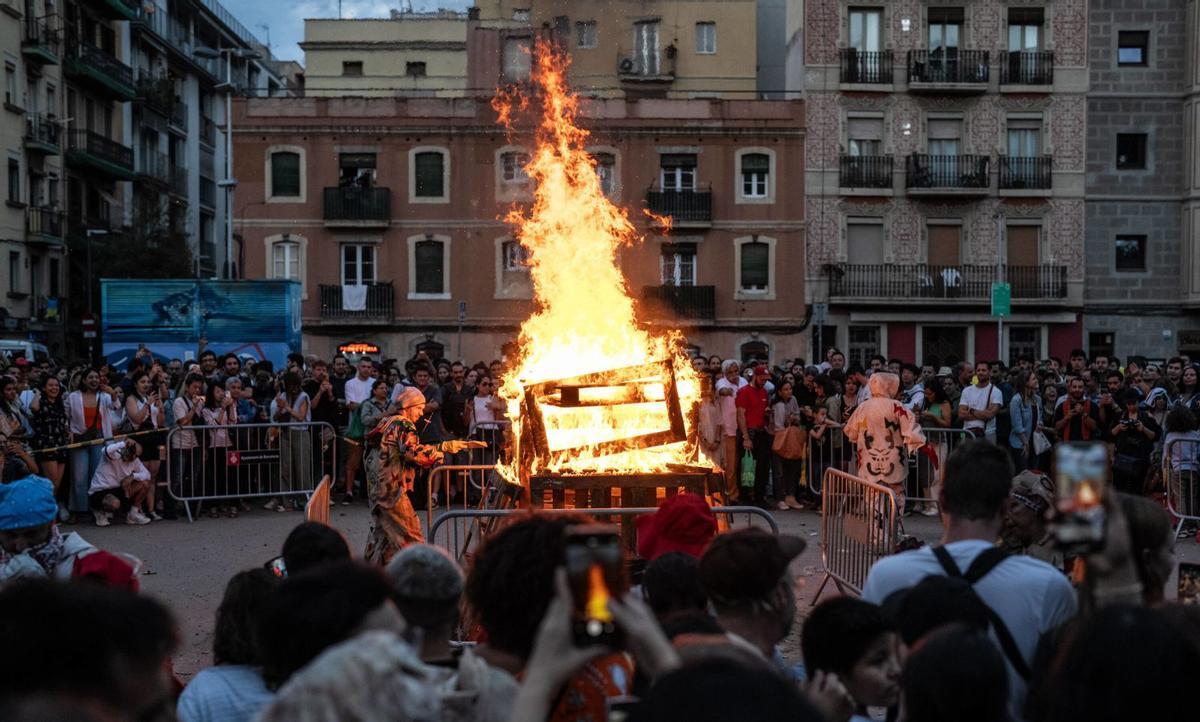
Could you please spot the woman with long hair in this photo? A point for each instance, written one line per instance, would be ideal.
(785, 413)
(292, 406)
(90, 412)
(144, 409)
(1189, 388)
(51, 430)
(1025, 412)
(219, 411)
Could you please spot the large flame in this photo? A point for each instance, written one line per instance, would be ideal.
(585, 320)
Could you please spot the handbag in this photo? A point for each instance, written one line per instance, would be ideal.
(355, 429)
(1040, 443)
(747, 478)
(92, 432)
(788, 443)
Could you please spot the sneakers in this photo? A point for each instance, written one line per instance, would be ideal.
(930, 510)
(782, 506)
(273, 505)
(101, 518)
(347, 499)
(135, 516)
(155, 516)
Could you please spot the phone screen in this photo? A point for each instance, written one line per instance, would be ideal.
(596, 574)
(1082, 479)
(1189, 583)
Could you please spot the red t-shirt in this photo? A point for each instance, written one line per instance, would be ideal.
(754, 400)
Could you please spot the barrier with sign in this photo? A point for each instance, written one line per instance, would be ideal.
(244, 461)
(858, 527)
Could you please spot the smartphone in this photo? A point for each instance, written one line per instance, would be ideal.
(1189, 583)
(596, 573)
(1082, 473)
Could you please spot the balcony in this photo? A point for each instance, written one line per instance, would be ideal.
(100, 71)
(351, 206)
(88, 149)
(156, 93)
(153, 167)
(866, 68)
(208, 131)
(948, 70)
(685, 207)
(41, 134)
(1026, 174)
(43, 225)
(377, 308)
(178, 120)
(881, 283)
(40, 44)
(964, 175)
(667, 303)
(116, 9)
(208, 192)
(179, 181)
(865, 172)
(1027, 68)
(646, 70)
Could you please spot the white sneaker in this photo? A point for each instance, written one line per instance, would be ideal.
(272, 504)
(101, 518)
(135, 516)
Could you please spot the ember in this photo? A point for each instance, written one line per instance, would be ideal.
(592, 390)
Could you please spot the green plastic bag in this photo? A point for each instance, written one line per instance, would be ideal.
(355, 430)
(747, 470)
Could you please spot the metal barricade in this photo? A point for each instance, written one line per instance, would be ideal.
(461, 522)
(831, 450)
(922, 475)
(858, 527)
(245, 461)
(474, 480)
(1181, 479)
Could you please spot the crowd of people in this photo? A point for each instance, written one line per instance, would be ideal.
(962, 630)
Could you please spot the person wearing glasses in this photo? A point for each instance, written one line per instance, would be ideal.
(485, 407)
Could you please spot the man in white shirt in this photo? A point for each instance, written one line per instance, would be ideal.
(358, 390)
(726, 389)
(121, 482)
(980, 403)
(1029, 596)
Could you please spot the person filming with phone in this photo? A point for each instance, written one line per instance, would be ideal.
(1076, 418)
(1133, 434)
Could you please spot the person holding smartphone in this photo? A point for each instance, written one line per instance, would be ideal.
(1133, 437)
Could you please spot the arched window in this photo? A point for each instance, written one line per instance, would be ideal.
(432, 349)
(755, 351)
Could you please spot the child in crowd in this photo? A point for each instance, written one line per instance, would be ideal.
(854, 640)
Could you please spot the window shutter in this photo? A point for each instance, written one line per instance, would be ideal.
(756, 163)
(430, 175)
(756, 266)
(285, 174)
(430, 261)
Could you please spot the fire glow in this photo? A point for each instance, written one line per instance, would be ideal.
(585, 325)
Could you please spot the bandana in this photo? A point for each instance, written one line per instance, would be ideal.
(47, 555)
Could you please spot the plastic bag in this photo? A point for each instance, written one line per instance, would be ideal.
(747, 478)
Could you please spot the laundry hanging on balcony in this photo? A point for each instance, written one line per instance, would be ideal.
(354, 297)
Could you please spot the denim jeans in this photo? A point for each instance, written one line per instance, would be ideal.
(84, 463)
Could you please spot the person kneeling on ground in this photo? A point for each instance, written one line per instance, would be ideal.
(122, 481)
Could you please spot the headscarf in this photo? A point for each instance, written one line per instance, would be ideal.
(409, 397)
(883, 385)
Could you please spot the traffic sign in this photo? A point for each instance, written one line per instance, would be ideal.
(462, 311)
(820, 314)
(1001, 300)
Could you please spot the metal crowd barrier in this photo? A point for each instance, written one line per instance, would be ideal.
(1181, 478)
(461, 539)
(922, 476)
(858, 527)
(473, 480)
(246, 461)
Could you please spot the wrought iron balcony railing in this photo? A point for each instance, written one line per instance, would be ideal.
(865, 171)
(867, 68)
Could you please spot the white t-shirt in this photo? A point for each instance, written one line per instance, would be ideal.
(112, 470)
(979, 399)
(728, 404)
(1031, 596)
(358, 390)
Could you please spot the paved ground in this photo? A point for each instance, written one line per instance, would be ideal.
(187, 565)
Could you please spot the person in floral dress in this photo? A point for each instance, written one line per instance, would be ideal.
(395, 453)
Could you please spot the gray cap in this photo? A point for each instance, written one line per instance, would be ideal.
(422, 572)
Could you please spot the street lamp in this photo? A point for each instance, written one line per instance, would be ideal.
(228, 182)
(90, 232)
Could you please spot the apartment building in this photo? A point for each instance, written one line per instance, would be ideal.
(408, 53)
(31, 231)
(405, 196)
(1143, 234)
(644, 49)
(945, 152)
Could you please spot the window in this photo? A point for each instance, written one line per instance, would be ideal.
(945, 29)
(864, 30)
(285, 174)
(14, 180)
(358, 264)
(430, 174)
(356, 170)
(1133, 47)
(606, 171)
(754, 351)
(516, 257)
(677, 265)
(517, 59)
(1101, 342)
(352, 68)
(285, 260)
(430, 267)
(512, 167)
(415, 69)
(1131, 253)
(863, 343)
(10, 84)
(706, 38)
(1024, 341)
(55, 275)
(645, 48)
(864, 242)
(14, 272)
(1025, 29)
(755, 170)
(756, 267)
(677, 171)
(1131, 151)
(585, 34)
(1024, 138)
(864, 136)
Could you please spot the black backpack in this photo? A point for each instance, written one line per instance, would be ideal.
(987, 560)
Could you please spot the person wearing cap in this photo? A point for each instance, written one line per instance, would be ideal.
(1025, 528)
(752, 402)
(121, 482)
(684, 523)
(746, 576)
(31, 544)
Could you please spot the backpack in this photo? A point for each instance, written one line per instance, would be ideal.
(987, 560)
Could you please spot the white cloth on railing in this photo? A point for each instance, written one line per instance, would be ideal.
(354, 297)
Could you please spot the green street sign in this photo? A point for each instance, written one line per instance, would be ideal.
(1001, 300)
